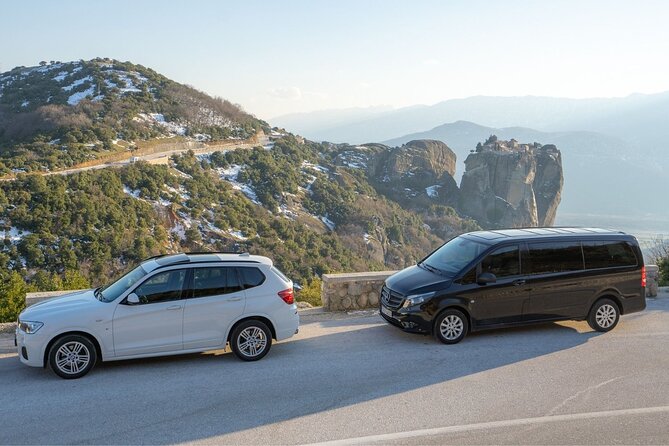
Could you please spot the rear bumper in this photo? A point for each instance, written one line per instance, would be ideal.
(288, 326)
(409, 322)
(635, 303)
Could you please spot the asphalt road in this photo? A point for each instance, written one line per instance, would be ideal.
(362, 381)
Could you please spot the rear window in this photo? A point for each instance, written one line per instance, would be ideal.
(251, 277)
(281, 275)
(608, 254)
(555, 257)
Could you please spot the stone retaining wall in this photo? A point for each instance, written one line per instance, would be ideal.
(352, 291)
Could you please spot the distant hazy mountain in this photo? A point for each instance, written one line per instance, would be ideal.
(638, 119)
(603, 174)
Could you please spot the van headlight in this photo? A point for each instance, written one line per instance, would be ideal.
(417, 299)
(30, 327)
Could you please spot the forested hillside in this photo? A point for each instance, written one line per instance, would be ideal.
(60, 114)
(292, 203)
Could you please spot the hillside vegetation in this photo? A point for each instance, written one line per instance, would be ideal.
(61, 114)
(292, 203)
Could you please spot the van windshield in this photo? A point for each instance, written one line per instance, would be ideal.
(453, 256)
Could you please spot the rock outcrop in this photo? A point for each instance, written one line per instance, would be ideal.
(507, 184)
(418, 173)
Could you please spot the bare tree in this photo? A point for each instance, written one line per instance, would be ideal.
(658, 248)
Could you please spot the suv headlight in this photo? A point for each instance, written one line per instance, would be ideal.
(417, 299)
(30, 327)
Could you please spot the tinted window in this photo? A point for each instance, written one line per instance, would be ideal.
(251, 277)
(162, 287)
(454, 255)
(469, 278)
(502, 262)
(215, 281)
(555, 257)
(608, 254)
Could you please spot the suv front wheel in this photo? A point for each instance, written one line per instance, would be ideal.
(451, 326)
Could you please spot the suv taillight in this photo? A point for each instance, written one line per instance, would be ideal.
(643, 276)
(287, 296)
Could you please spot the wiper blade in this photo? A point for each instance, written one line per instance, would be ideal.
(98, 294)
(432, 269)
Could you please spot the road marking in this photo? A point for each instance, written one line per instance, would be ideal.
(493, 425)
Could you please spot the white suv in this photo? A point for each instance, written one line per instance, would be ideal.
(168, 305)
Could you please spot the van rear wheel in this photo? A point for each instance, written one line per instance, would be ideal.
(451, 326)
(604, 315)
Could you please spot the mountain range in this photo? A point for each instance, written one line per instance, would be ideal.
(614, 150)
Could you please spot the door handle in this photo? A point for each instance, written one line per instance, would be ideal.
(519, 282)
(234, 299)
(174, 307)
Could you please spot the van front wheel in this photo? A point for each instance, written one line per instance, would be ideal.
(604, 315)
(451, 326)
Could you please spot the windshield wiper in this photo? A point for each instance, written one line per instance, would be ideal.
(98, 294)
(431, 268)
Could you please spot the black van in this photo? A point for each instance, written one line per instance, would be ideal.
(492, 279)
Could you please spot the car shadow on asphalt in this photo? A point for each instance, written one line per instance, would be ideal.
(329, 365)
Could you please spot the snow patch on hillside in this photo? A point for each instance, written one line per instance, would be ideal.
(230, 174)
(78, 96)
(77, 83)
(431, 191)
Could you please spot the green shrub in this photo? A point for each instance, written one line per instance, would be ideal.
(12, 296)
(311, 293)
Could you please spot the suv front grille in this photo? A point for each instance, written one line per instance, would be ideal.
(390, 298)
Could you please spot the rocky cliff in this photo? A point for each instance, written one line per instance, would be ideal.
(507, 184)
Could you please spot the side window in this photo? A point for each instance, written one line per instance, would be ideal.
(469, 278)
(215, 281)
(251, 277)
(503, 262)
(555, 257)
(608, 254)
(162, 287)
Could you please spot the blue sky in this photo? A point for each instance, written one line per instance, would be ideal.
(277, 57)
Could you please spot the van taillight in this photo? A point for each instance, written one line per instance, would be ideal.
(288, 296)
(643, 276)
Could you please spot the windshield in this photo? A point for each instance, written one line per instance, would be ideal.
(114, 290)
(453, 256)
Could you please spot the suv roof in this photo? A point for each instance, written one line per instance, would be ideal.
(497, 236)
(203, 257)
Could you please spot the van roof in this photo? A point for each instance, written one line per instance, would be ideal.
(500, 235)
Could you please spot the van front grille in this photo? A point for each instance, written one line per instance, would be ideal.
(390, 298)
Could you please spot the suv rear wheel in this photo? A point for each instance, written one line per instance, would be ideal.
(604, 315)
(451, 326)
(251, 340)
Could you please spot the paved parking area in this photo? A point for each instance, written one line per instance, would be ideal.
(362, 381)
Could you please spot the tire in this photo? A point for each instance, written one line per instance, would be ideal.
(251, 340)
(604, 315)
(72, 356)
(451, 326)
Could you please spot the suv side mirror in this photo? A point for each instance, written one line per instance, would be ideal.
(297, 287)
(486, 278)
(132, 299)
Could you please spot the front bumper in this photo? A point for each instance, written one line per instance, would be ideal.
(412, 322)
(30, 348)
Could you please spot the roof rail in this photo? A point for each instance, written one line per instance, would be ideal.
(245, 254)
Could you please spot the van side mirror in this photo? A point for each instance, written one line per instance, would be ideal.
(486, 278)
(132, 299)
